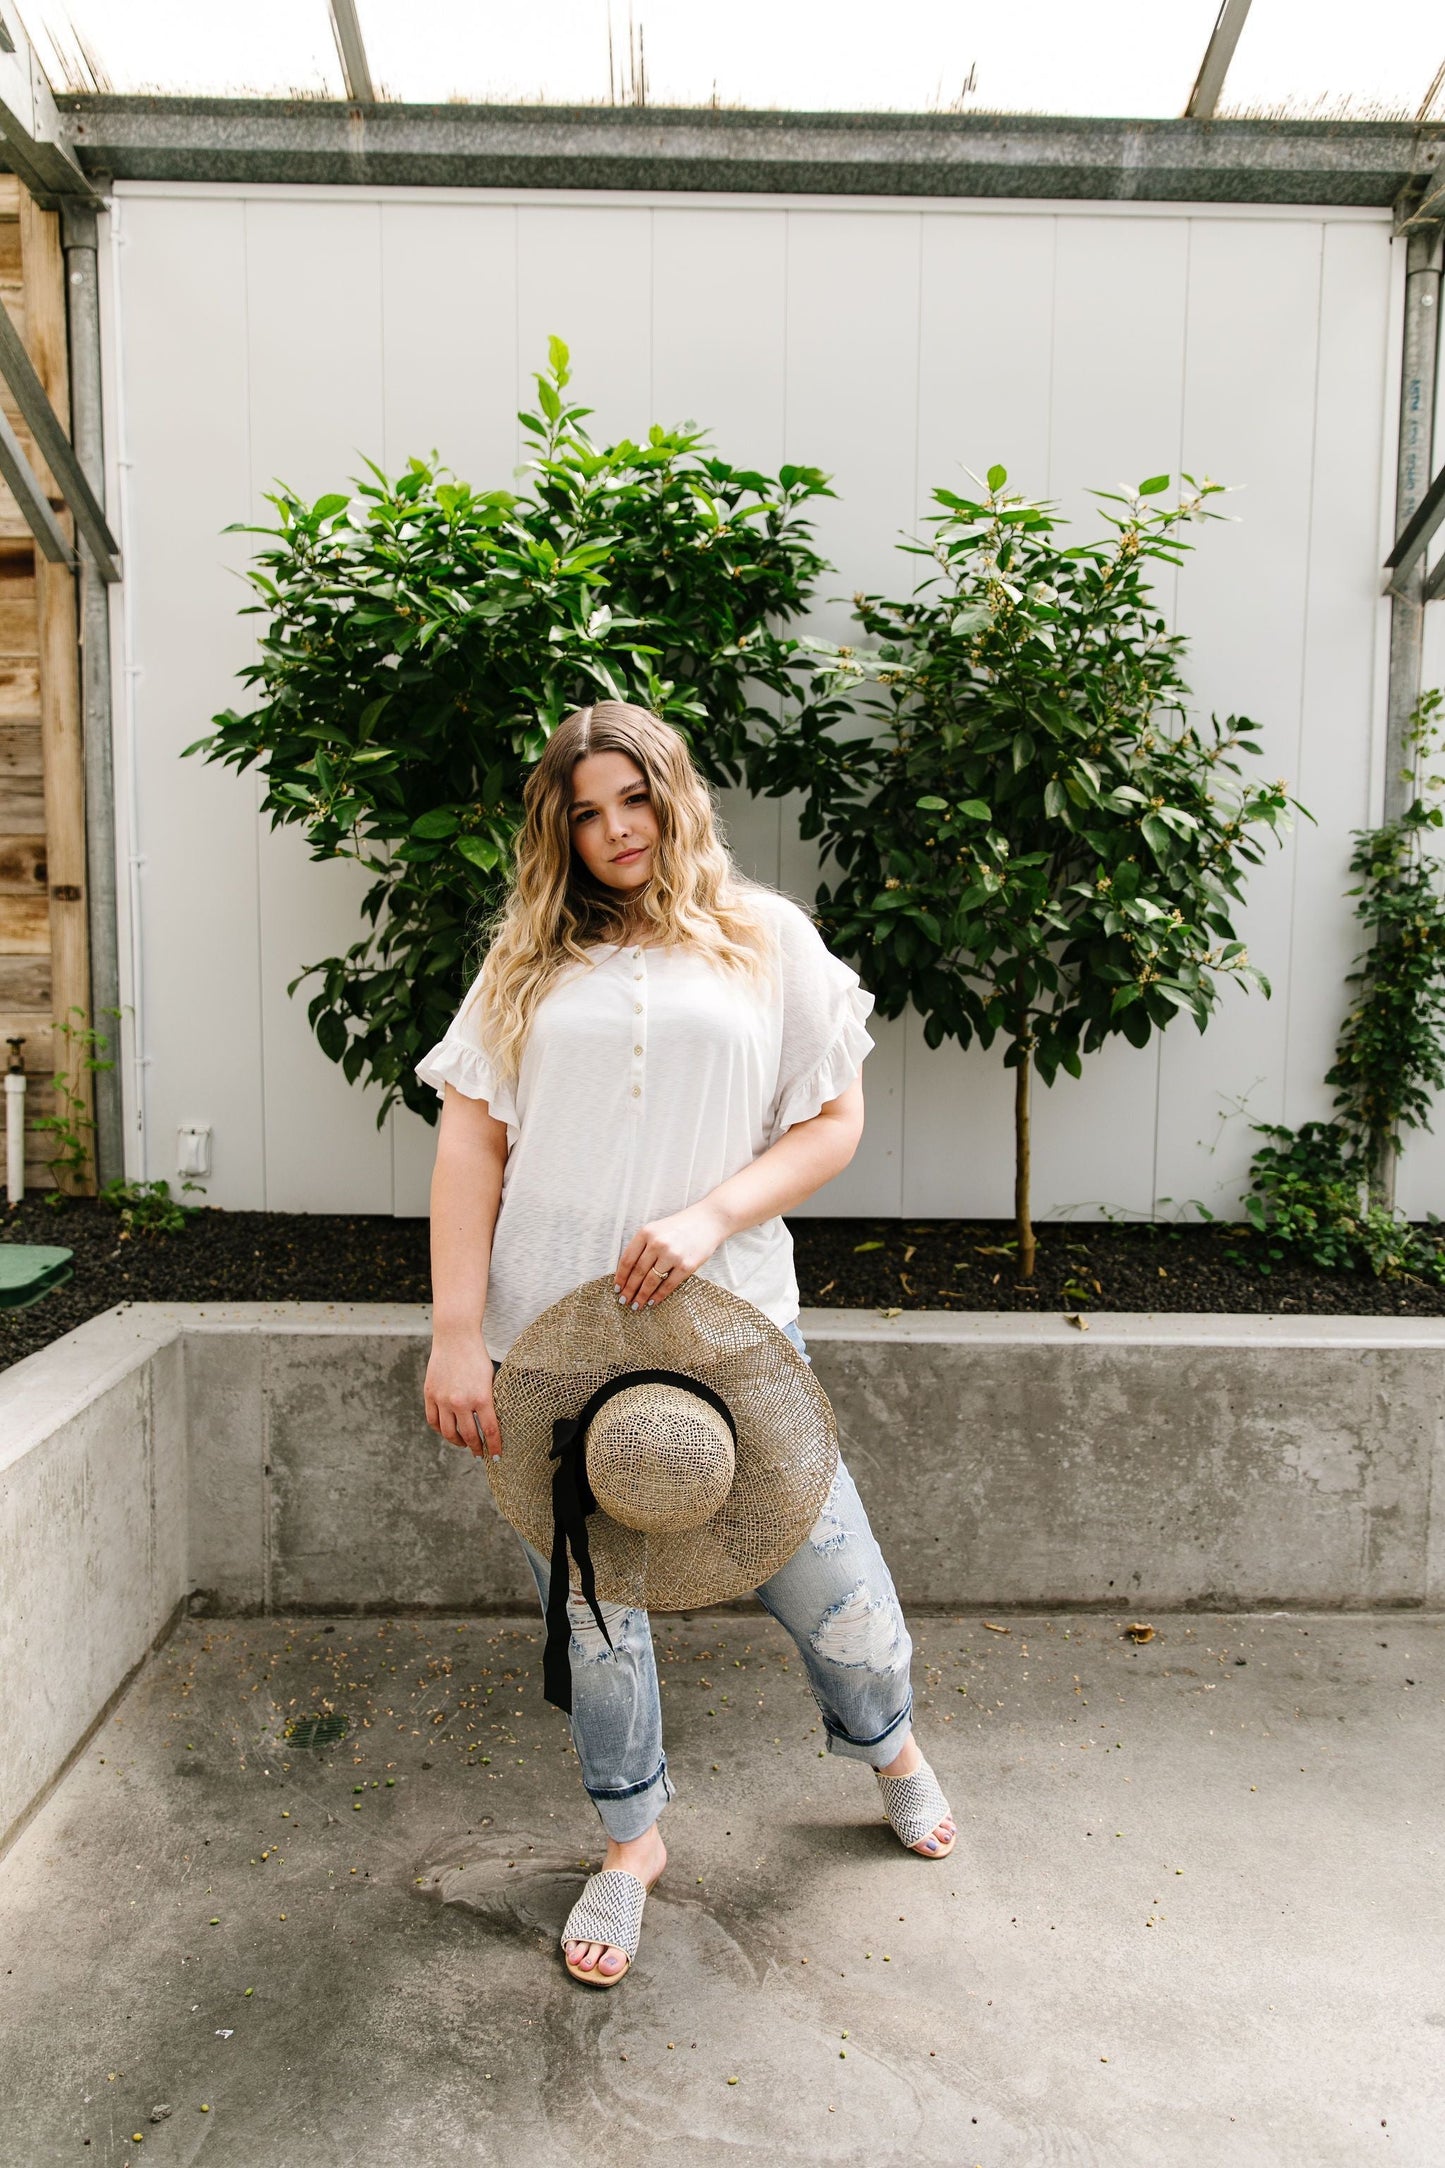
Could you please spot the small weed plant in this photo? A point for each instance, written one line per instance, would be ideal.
(72, 1125)
(148, 1208)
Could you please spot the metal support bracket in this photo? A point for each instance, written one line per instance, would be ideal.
(1415, 539)
(23, 484)
(34, 140)
(55, 449)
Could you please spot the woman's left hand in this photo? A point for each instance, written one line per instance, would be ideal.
(680, 1243)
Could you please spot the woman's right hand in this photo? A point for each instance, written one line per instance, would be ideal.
(459, 1394)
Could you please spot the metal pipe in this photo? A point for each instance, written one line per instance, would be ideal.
(1412, 482)
(15, 1124)
(78, 231)
(1407, 585)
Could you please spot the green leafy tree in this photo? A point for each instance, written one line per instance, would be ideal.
(1034, 840)
(423, 639)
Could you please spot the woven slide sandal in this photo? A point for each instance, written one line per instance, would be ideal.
(609, 1910)
(915, 1806)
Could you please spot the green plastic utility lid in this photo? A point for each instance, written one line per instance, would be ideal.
(29, 1270)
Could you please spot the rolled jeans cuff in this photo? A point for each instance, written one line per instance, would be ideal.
(880, 1751)
(631, 1813)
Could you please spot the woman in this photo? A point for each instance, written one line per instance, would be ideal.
(658, 1058)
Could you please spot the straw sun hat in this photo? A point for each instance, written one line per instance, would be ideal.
(682, 1453)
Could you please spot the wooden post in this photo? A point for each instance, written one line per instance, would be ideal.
(43, 268)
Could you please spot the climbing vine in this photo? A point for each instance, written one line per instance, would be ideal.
(1319, 1192)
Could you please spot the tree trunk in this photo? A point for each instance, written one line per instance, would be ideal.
(1023, 1221)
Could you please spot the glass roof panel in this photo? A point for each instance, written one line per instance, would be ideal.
(1337, 60)
(187, 48)
(1125, 57)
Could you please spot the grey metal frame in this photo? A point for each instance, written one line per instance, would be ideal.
(1204, 98)
(78, 235)
(922, 154)
(351, 46)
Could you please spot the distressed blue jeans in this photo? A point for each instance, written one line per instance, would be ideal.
(835, 1597)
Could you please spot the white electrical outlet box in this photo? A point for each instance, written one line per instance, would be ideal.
(193, 1148)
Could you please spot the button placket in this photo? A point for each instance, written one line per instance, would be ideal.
(639, 1038)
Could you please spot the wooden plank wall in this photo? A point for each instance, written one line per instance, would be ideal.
(44, 951)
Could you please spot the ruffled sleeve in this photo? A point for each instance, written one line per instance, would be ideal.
(461, 1060)
(825, 1011)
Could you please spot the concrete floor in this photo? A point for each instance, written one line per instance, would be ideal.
(1194, 1916)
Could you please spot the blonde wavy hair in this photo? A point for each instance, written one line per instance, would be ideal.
(555, 908)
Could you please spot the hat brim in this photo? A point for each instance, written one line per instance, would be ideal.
(786, 1451)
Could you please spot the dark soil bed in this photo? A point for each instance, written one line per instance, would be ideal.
(842, 1263)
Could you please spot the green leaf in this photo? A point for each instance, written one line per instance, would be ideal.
(974, 809)
(478, 852)
(331, 1034)
(435, 826)
(997, 476)
(933, 805)
(325, 507)
(1154, 485)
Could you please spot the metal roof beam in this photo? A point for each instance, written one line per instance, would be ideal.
(621, 147)
(1204, 98)
(55, 449)
(351, 46)
(34, 141)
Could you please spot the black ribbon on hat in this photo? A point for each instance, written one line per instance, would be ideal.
(572, 1502)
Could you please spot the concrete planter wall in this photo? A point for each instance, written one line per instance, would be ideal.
(273, 1457)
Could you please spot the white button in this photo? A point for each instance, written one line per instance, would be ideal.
(637, 1091)
(637, 1008)
(637, 1050)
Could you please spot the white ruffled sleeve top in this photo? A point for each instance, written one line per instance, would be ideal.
(649, 1076)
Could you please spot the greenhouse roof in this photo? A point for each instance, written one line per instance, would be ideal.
(1109, 59)
(1248, 100)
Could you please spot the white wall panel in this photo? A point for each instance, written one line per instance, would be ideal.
(852, 333)
(185, 434)
(719, 329)
(449, 386)
(314, 319)
(287, 332)
(1341, 640)
(448, 301)
(585, 275)
(719, 356)
(986, 351)
(1249, 420)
